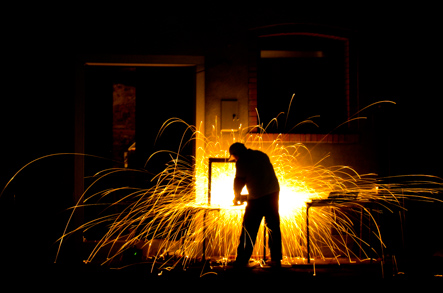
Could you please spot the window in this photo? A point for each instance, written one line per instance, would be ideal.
(310, 69)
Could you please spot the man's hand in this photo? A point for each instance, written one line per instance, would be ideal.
(237, 200)
(240, 199)
(239, 183)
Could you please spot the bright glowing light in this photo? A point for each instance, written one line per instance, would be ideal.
(222, 184)
(174, 218)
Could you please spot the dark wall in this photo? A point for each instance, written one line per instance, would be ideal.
(398, 60)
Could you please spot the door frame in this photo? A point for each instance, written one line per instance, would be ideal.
(136, 61)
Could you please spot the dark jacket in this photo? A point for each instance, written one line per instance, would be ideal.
(254, 169)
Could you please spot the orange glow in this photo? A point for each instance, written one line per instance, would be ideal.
(174, 218)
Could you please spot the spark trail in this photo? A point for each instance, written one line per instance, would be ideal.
(173, 220)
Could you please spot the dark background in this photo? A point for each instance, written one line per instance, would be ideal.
(399, 60)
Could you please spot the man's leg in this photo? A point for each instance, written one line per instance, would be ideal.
(251, 224)
(272, 218)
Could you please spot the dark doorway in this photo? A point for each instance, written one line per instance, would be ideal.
(151, 96)
(164, 93)
(160, 93)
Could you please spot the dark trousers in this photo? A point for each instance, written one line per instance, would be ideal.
(266, 206)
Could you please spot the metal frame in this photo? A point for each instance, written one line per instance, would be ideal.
(336, 202)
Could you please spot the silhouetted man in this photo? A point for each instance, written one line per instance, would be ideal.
(254, 169)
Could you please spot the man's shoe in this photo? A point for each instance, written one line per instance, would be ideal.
(243, 265)
(274, 264)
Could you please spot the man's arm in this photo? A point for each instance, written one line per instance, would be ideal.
(239, 183)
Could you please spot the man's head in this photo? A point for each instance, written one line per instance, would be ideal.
(236, 150)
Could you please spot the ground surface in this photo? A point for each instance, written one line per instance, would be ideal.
(207, 277)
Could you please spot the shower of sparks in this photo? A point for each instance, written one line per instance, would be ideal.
(174, 222)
